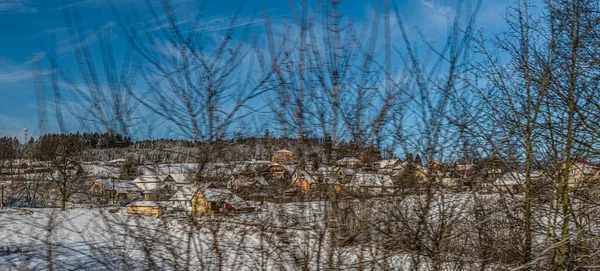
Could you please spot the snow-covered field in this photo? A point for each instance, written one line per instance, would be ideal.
(281, 237)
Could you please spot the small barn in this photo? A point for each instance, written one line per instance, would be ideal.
(144, 208)
(107, 190)
(155, 187)
(304, 180)
(246, 181)
(282, 156)
(208, 201)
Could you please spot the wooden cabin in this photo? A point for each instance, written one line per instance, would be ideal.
(246, 181)
(344, 175)
(156, 187)
(144, 208)
(208, 201)
(304, 180)
(277, 170)
(105, 190)
(282, 156)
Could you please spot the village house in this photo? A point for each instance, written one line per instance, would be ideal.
(348, 162)
(277, 170)
(304, 180)
(582, 171)
(449, 183)
(246, 181)
(387, 164)
(111, 190)
(20, 164)
(460, 170)
(410, 170)
(179, 179)
(199, 201)
(371, 183)
(283, 156)
(344, 174)
(513, 182)
(145, 208)
(155, 187)
(330, 183)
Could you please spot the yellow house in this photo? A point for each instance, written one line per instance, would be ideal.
(581, 171)
(208, 201)
(304, 181)
(344, 174)
(282, 156)
(144, 208)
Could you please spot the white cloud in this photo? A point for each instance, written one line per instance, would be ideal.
(11, 72)
(17, 6)
(437, 14)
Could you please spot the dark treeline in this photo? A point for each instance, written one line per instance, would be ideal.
(106, 147)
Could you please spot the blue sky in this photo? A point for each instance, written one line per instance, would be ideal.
(27, 26)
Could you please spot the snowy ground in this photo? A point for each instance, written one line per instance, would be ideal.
(281, 237)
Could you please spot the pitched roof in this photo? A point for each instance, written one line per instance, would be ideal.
(327, 179)
(180, 178)
(246, 180)
(385, 163)
(150, 178)
(119, 186)
(348, 160)
(327, 169)
(514, 178)
(284, 150)
(307, 176)
(347, 171)
(184, 193)
(224, 195)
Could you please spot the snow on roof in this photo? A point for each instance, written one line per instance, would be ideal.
(149, 187)
(150, 178)
(372, 180)
(224, 195)
(185, 193)
(402, 165)
(329, 180)
(180, 178)
(348, 159)
(347, 171)
(514, 178)
(327, 169)
(586, 167)
(385, 163)
(284, 150)
(119, 160)
(289, 168)
(307, 176)
(119, 186)
(246, 180)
